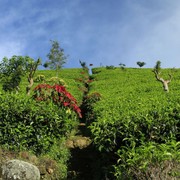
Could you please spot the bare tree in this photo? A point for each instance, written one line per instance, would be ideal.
(157, 73)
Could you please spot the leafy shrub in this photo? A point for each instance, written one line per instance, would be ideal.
(149, 161)
(110, 67)
(156, 125)
(59, 153)
(12, 70)
(28, 124)
(122, 66)
(87, 107)
(39, 78)
(58, 95)
(57, 80)
(96, 70)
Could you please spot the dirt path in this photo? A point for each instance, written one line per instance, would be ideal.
(85, 162)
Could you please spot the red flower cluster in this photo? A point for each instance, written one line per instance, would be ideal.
(58, 94)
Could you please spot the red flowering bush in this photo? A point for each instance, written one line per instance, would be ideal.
(58, 94)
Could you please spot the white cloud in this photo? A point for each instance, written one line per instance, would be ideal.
(8, 49)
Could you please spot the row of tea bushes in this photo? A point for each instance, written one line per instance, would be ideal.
(40, 127)
(133, 111)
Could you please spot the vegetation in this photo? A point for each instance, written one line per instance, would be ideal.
(157, 72)
(122, 66)
(141, 64)
(42, 122)
(56, 57)
(12, 70)
(32, 69)
(134, 126)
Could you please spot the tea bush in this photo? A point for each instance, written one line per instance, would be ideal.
(149, 161)
(133, 110)
(27, 124)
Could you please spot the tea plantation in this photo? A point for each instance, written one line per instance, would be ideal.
(136, 124)
(29, 126)
(132, 122)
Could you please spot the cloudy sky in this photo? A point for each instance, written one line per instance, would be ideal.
(101, 32)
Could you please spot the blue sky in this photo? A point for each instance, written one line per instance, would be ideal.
(101, 32)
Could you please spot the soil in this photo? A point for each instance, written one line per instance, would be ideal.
(85, 160)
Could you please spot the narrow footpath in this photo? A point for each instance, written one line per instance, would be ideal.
(84, 163)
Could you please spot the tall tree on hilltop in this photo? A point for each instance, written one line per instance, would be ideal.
(56, 57)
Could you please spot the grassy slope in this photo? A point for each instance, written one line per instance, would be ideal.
(131, 91)
(59, 165)
(128, 97)
(68, 75)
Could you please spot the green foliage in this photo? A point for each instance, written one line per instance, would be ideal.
(56, 57)
(57, 80)
(32, 70)
(141, 64)
(67, 75)
(157, 67)
(12, 71)
(156, 125)
(131, 112)
(96, 70)
(41, 127)
(133, 125)
(110, 67)
(122, 66)
(58, 95)
(87, 107)
(148, 161)
(39, 78)
(61, 154)
(27, 124)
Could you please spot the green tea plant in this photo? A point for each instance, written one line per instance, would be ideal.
(40, 78)
(67, 75)
(30, 125)
(131, 112)
(149, 161)
(110, 67)
(56, 80)
(87, 107)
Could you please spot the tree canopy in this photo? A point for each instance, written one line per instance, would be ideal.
(56, 57)
(140, 64)
(13, 69)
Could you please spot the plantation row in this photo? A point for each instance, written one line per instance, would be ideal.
(69, 76)
(42, 122)
(133, 122)
(136, 123)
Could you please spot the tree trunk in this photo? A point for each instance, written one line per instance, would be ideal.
(164, 82)
(28, 88)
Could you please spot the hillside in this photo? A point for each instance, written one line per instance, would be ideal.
(133, 116)
(69, 76)
(132, 90)
(132, 122)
